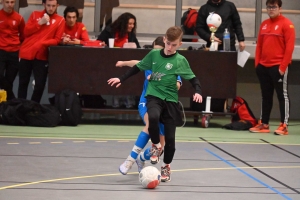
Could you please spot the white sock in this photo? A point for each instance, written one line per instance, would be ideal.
(158, 145)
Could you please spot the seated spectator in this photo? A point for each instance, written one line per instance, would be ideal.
(79, 4)
(75, 32)
(123, 29)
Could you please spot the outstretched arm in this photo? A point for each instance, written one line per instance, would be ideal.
(129, 63)
(132, 71)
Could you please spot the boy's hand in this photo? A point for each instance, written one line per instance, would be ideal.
(113, 81)
(197, 98)
(178, 85)
(120, 64)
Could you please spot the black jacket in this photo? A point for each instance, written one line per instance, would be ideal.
(230, 19)
(107, 33)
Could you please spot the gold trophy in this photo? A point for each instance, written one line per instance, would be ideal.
(213, 22)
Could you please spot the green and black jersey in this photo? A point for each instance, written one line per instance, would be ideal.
(165, 70)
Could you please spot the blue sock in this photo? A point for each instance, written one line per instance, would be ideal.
(146, 155)
(140, 143)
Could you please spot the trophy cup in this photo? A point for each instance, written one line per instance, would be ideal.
(213, 22)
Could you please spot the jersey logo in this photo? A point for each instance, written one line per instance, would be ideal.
(83, 28)
(292, 26)
(276, 27)
(264, 27)
(154, 63)
(169, 66)
(53, 21)
(14, 22)
(156, 76)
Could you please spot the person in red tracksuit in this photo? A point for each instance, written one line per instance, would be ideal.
(43, 29)
(11, 35)
(275, 46)
(75, 32)
(79, 4)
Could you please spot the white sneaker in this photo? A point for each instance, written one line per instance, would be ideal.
(126, 166)
(140, 164)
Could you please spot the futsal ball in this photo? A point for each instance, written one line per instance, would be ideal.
(149, 177)
(213, 20)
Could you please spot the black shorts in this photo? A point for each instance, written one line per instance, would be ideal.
(170, 110)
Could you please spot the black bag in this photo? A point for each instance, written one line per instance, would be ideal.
(43, 116)
(68, 104)
(22, 112)
(93, 101)
(239, 125)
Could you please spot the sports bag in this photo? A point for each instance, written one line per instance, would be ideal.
(68, 104)
(22, 112)
(188, 22)
(243, 119)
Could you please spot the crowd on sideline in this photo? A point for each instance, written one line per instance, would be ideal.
(24, 46)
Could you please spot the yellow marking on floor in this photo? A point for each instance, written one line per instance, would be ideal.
(13, 143)
(100, 141)
(56, 142)
(78, 141)
(128, 140)
(118, 174)
(34, 142)
(123, 141)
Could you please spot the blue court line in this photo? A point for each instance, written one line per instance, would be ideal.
(250, 176)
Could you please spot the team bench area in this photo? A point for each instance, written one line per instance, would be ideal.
(86, 71)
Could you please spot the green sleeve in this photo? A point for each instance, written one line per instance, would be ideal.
(146, 63)
(184, 70)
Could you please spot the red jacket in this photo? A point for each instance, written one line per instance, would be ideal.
(77, 31)
(11, 31)
(39, 37)
(276, 42)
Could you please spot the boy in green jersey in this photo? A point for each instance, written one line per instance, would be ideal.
(162, 93)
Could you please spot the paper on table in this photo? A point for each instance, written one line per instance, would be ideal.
(242, 58)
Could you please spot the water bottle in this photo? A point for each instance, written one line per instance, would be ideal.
(226, 40)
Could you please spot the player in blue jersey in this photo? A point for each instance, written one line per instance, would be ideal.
(136, 154)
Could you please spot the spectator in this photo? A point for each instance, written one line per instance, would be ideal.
(11, 35)
(275, 46)
(79, 4)
(230, 20)
(75, 32)
(106, 11)
(43, 29)
(123, 29)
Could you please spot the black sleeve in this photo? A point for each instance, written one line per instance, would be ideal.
(201, 25)
(104, 35)
(196, 84)
(132, 38)
(132, 71)
(237, 24)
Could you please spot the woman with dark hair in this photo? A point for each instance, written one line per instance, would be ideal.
(123, 29)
